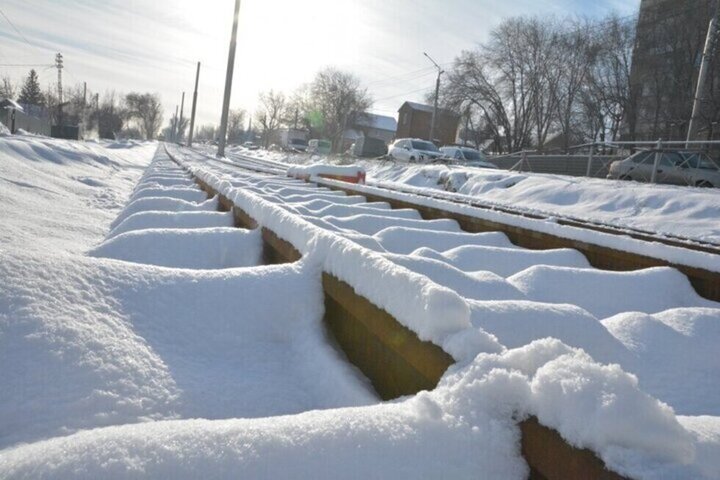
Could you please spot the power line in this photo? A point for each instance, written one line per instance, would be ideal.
(16, 29)
(27, 64)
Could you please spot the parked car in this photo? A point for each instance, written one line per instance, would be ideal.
(250, 146)
(467, 156)
(414, 150)
(297, 145)
(368, 147)
(319, 147)
(674, 167)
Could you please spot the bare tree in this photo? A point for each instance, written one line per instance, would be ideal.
(335, 101)
(269, 114)
(147, 110)
(577, 55)
(236, 126)
(109, 116)
(608, 91)
(8, 89)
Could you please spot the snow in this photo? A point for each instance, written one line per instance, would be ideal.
(671, 254)
(406, 240)
(4, 130)
(122, 368)
(319, 169)
(167, 204)
(685, 211)
(184, 220)
(203, 248)
(606, 293)
(505, 261)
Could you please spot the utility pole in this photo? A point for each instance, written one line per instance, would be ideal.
(174, 125)
(228, 83)
(437, 93)
(84, 105)
(97, 111)
(59, 66)
(194, 106)
(182, 107)
(708, 52)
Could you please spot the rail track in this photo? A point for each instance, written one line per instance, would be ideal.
(603, 253)
(390, 354)
(251, 163)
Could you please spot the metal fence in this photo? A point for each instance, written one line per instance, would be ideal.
(574, 165)
(39, 126)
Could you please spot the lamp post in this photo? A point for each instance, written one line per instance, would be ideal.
(437, 93)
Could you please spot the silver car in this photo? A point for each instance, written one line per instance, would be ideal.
(675, 167)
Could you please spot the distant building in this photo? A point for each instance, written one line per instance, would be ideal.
(665, 64)
(370, 125)
(415, 120)
(381, 127)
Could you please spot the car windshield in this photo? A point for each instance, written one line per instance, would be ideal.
(420, 145)
(471, 154)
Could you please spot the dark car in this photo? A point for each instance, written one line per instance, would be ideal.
(369, 147)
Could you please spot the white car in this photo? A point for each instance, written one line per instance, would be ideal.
(414, 150)
(467, 156)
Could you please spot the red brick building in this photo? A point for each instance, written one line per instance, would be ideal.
(414, 121)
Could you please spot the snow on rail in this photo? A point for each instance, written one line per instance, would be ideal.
(672, 254)
(518, 370)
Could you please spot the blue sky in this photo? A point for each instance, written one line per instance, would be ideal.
(154, 45)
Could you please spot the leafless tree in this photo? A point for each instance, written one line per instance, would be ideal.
(236, 126)
(269, 114)
(146, 109)
(335, 101)
(608, 91)
(577, 53)
(7, 88)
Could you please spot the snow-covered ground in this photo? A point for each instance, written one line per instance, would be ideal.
(689, 212)
(649, 322)
(147, 342)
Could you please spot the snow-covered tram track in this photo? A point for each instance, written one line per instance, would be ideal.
(402, 237)
(606, 246)
(537, 214)
(396, 359)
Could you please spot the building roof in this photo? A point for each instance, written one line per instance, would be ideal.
(7, 103)
(428, 108)
(379, 122)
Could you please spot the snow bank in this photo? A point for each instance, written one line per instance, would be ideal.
(4, 130)
(463, 427)
(166, 204)
(372, 224)
(189, 194)
(504, 261)
(207, 248)
(675, 355)
(302, 171)
(477, 286)
(605, 293)
(151, 219)
(669, 209)
(405, 240)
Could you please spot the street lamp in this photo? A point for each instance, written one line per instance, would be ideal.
(437, 93)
